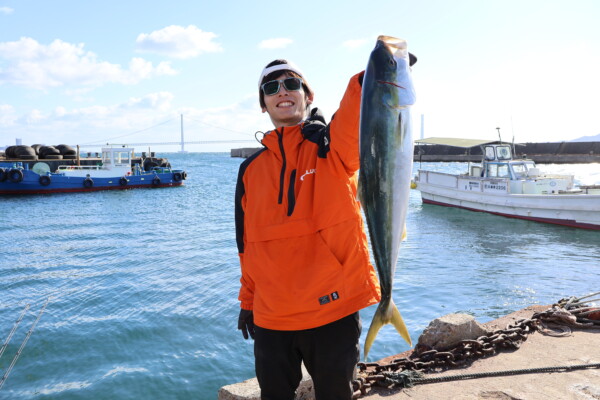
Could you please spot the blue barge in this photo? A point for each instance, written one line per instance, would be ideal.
(115, 170)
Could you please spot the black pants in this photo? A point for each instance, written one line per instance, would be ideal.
(330, 353)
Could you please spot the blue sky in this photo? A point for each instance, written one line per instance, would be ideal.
(81, 72)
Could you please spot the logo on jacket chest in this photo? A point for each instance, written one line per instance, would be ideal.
(308, 172)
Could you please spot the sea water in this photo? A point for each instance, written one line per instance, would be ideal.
(141, 285)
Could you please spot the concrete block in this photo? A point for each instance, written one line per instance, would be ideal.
(446, 332)
(249, 390)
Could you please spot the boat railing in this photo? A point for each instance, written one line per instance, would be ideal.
(465, 182)
(65, 168)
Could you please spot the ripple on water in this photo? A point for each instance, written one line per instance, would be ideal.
(143, 284)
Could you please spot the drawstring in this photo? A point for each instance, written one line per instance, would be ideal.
(256, 136)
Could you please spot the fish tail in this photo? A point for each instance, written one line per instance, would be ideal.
(386, 314)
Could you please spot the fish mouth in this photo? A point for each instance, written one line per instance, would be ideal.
(395, 46)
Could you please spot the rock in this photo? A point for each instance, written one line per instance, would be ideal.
(446, 332)
(249, 390)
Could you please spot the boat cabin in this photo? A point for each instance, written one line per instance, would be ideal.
(115, 161)
(498, 163)
(117, 157)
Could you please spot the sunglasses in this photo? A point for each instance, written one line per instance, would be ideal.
(272, 87)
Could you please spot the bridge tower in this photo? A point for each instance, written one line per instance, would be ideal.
(182, 140)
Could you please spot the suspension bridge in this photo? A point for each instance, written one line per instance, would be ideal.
(181, 142)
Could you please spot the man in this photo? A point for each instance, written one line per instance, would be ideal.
(301, 240)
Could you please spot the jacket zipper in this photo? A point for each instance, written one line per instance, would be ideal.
(284, 162)
(291, 195)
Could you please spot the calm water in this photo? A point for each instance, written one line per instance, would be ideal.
(142, 284)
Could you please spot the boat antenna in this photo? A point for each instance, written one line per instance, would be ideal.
(512, 127)
(499, 137)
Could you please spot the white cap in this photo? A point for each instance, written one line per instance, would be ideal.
(280, 67)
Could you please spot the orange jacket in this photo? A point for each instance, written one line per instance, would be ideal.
(300, 235)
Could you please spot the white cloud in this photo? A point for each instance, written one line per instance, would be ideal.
(178, 42)
(8, 115)
(160, 102)
(275, 43)
(6, 10)
(35, 116)
(354, 43)
(151, 118)
(38, 66)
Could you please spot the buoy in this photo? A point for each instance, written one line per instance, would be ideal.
(15, 175)
(45, 180)
(88, 182)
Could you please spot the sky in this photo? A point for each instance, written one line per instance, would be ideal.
(123, 72)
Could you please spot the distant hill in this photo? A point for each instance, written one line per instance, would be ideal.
(587, 139)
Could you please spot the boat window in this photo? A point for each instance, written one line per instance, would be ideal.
(498, 171)
(529, 164)
(106, 158)
(492, 170)
(122, 157)
(520, 170)
(489, 153)
(504, 153)
(503, 171)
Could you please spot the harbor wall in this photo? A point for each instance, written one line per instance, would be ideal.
(542, 153)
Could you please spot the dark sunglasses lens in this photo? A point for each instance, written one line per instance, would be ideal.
(292, 83)
(271, 88)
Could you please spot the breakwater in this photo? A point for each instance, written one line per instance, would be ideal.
(541, 153)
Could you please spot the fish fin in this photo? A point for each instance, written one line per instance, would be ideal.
(404, 234)
(386, 315)
(399, 324)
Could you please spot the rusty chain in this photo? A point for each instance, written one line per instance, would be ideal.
(569, 312)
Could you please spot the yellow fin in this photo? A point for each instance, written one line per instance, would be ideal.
(404, 234)
(382, 316)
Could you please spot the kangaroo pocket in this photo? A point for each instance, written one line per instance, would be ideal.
(294, 276)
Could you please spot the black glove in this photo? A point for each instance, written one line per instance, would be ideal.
(246, 323)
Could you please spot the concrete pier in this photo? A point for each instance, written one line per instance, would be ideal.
(538, 351)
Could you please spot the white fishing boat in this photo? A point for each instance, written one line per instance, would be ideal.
(510, 187)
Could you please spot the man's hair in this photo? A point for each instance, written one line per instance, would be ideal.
(273, 75)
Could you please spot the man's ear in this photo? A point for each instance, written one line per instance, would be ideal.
(309, 99)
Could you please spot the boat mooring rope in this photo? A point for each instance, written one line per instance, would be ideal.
(407, 379)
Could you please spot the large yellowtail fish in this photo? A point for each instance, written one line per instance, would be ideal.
(386, 157)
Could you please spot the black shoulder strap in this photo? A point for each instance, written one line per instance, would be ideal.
(317, 131)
